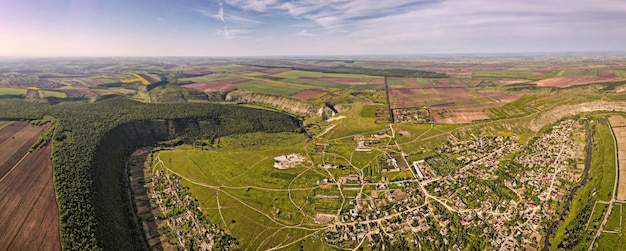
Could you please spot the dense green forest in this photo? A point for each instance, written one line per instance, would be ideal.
(92, 140)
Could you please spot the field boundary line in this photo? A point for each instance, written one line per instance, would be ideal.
(8, 123)
(14, 166)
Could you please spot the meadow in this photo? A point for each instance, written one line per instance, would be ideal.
(235, 180)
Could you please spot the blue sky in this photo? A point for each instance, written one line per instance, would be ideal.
(308, 27)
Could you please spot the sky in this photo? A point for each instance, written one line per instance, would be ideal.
(308, 27)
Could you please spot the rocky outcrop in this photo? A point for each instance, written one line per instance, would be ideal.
(555, 114)
(277, 102)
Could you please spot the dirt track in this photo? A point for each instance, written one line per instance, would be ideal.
(29, 216)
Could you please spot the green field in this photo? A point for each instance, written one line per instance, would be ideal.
(52, 94)
(294, 74)
(614, 241)
(239, 190)
(511, 74)
(620, 73)
(266, 88)
(354, 124)
(208, 78)
(369, 111)
(12, 91)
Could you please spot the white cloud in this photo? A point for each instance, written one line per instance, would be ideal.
(440, 25)
(220, 13)
(255, 5)
(230, 34)
(305, 33)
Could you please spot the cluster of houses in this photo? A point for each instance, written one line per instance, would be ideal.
(513, 222)
(482, 155)
(414, 114)
(392, 209)
(546, 163)
(182, 215)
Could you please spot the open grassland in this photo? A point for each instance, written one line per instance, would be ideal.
(615, 240)
(28, 207)
(353, 124)
(238, 189)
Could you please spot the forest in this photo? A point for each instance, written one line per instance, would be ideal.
(92, 140)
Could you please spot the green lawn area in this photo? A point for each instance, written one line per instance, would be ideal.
(266, 88)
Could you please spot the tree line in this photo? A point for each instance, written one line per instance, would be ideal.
(92, 140)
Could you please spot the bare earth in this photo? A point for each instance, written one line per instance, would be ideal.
(459, 117)
(308, 94)
(576, 80)
(29, 215)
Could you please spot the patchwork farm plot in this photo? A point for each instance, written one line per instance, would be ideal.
(303, 85)
(449, 100)
(28, 207)
(572, 81)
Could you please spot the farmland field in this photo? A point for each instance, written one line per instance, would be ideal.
(12, 91)
(28, 207)
(56, 94)
(577, 80)
(215, 86)
(262, 87)
(308, 94)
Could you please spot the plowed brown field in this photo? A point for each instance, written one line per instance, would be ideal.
(29, 216)
(308, 94)
(576, 80)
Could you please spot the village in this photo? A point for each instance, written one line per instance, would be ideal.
(182, 216)
(499, 188)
